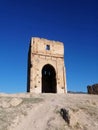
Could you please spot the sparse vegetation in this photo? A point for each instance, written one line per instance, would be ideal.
(77, 126)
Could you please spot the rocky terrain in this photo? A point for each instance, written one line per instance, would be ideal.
(43, 112)
(93, 89)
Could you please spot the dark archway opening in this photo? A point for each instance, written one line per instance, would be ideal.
(49, 79)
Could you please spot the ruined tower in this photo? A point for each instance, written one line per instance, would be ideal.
(46, 70)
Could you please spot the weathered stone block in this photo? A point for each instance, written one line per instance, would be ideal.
(92, 89)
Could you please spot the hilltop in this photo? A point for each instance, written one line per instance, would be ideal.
(42, 111)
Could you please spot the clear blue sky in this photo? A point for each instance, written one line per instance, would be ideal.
(73, 22)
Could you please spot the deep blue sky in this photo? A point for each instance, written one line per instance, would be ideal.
(73, 22)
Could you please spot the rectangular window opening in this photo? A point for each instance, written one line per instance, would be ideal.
(47, 47)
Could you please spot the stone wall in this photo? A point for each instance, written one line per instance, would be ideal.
(43, 52)
(92, 89)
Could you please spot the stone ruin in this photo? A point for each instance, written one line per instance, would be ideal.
(46, 69)
(92, 89)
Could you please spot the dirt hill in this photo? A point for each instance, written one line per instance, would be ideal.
(43, 112)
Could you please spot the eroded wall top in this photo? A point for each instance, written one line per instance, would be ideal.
(47, 47)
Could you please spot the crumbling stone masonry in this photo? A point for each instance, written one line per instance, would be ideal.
(46, 70)
(92, 89)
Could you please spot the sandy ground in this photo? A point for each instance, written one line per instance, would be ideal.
(42, 111)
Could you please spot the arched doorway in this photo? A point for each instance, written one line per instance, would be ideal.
(48, 79)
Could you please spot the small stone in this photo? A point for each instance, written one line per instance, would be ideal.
(5, 105)
(15, 101)
(65, 114)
